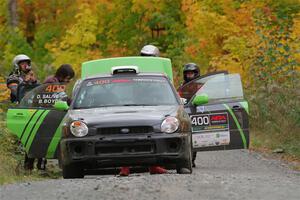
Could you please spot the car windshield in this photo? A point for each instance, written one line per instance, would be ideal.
(125, 91)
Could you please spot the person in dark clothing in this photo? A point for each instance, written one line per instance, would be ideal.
(63, 74)
(191, 71)
(21, 74)
(19, 79)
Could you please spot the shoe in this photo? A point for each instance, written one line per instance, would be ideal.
(193, 164)
(124, 171)
(41, 164)
(184, 171)
(157, 170)
(28, 163)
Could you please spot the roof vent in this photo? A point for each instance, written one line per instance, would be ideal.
(124, 69)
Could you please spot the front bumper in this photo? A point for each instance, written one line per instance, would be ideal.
(130, 150)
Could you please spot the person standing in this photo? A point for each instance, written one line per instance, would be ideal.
(22, 76)
(63, 74)
(191, 71)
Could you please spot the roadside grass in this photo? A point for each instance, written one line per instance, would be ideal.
(275, 121)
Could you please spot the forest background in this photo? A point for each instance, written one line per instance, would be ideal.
(260, 39)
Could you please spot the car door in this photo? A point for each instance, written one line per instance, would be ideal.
(36, 123)
(188, 90)
(222, 122)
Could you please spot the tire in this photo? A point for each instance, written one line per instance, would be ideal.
(185, 166)
(72, 171)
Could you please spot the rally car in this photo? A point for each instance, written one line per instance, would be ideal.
(124, 116)
(125, 112)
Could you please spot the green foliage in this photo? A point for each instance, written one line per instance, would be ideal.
(275, 117)
(275, 62)
(14, 44)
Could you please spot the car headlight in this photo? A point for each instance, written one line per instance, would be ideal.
(169, 125)
(79, 129)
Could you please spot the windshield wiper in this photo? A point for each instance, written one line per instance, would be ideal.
(138, 105)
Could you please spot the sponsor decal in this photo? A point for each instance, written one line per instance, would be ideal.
(218, 119)
(211, 139)
(210, 130)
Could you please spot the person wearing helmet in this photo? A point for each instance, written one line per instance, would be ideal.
(191, 71)
(150, 50)
(21, 77)
(21, 73)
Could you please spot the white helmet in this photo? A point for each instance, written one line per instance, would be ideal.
(150, 50)
(19, 58)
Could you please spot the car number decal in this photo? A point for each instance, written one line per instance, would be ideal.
(209, 122)
(210, 130)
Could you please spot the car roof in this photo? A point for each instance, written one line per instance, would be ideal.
(124, 74)
(143, 63)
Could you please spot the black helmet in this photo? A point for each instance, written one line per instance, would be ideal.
(188, 68)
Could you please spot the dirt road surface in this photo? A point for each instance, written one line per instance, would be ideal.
(237, 174)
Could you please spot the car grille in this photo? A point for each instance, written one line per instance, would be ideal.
(124, 149)
(124, 130)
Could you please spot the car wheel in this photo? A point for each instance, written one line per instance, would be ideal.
(185, 166)
(72, 171)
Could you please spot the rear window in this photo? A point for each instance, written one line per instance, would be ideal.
(125, 91)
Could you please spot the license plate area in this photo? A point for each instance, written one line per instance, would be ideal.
(124, 148)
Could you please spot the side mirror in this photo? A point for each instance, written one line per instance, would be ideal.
(61, 105)
(200, 100)
(183, 101)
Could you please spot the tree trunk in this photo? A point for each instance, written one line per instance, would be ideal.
(13, 15)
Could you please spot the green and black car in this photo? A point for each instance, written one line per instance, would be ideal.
(126, 112)
(218, 112)
(125, 116)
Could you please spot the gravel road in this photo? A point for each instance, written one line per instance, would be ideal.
(230, 175)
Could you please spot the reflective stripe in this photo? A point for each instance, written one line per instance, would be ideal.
(238, 125)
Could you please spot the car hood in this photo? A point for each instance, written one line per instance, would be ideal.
(124, 115)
